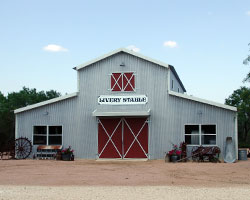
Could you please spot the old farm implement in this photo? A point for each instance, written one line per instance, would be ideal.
(19, 148)
(202, 154)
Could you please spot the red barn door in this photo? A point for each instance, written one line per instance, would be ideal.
(110, 138)
(135, 138)
(123, 138)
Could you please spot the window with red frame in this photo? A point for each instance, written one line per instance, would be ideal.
(123, 81)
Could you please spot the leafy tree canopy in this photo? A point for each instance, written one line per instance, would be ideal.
(241, 99)
(28, 96)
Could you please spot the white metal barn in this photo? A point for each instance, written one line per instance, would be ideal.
(127, 106)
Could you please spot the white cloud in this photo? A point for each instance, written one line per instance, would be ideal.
(54, 48)
(133, 48)
(171, 44)
(248, 13)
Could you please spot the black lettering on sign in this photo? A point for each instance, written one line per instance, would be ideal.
(124, 99)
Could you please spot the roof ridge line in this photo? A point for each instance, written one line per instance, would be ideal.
(117, 51)
(197, 99)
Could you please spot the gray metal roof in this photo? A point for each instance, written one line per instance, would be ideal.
(118, 51)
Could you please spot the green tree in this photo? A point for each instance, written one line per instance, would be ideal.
(3, 112)
(17, 100)
(241, 99)
(246, 61)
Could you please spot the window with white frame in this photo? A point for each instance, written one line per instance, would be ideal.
(123, 81)
(200, 134)
(40, 135)
(47, 135)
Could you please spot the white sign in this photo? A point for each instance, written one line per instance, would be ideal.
(122, 100)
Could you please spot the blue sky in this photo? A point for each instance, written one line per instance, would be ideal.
(206, 41)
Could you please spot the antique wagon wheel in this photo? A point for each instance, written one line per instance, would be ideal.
(23, 148)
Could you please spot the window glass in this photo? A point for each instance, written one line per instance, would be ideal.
(208, 139)
(200, 134)
(192, 134)
(192, 139)
(40, 135)
(208, 129)
(55, 130)
(39, 140)
(55, 140)
(191, 129)
(54, 135)
(208, 134)
(40, 130)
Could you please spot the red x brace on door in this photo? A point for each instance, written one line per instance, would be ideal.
(124, 81)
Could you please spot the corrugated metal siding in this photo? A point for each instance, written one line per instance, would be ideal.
(176, 83)
(60, 113)
(168, 113)
(183, 111)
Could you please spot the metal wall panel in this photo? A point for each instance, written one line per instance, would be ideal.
(168, 113)
(176, 83)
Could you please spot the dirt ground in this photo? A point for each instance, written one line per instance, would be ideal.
(98, 179)
(123, 173)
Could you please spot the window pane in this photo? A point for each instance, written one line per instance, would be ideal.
(55, 140)
(208, 129)
(191, 129)
(55, 130)
(208, 139)
(192, 139)
(40, 130)
(39, 140)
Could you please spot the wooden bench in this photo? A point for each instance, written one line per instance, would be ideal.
(47, 151)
